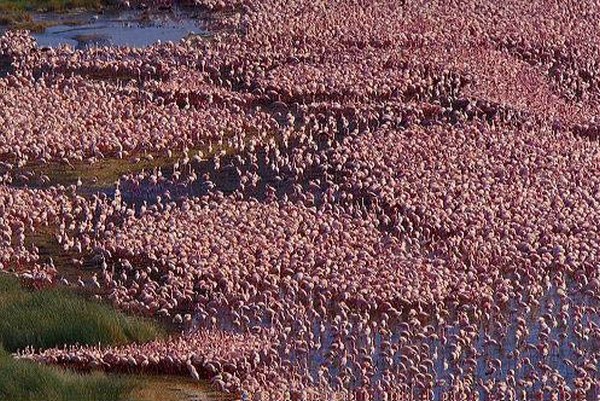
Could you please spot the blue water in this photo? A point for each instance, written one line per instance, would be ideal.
(125, 29)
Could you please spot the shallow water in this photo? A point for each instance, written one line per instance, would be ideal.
(134, 28)
(122, 30)
(5, 66)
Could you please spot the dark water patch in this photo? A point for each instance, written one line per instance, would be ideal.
(5, 66)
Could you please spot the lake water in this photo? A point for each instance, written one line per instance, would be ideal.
(135, 28)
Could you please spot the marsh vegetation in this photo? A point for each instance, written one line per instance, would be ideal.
(54, 317)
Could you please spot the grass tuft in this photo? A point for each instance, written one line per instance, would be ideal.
(50, 5)
(54, 317)
(28, 381)
(16, 14)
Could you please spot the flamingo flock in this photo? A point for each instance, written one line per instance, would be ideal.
(361, 199)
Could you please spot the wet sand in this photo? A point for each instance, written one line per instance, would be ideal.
(174, 388)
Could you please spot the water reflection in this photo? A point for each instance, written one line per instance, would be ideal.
(134, 28)
(128, 28)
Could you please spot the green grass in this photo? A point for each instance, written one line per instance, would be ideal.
(54, 317)
(17, 19)
(50, 5)
(17, 13)
(50, 318)
(28, 381)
